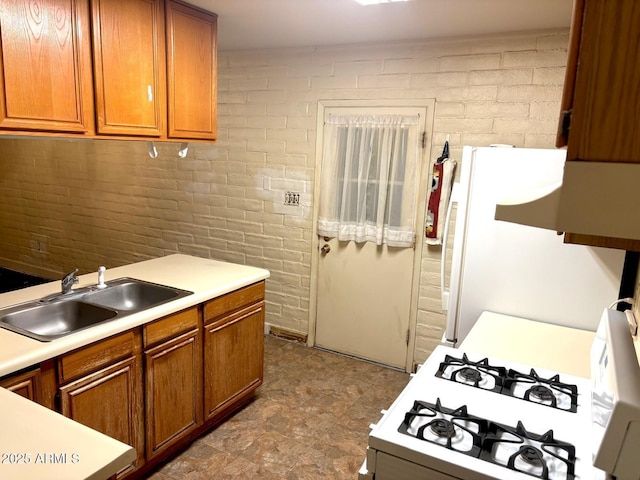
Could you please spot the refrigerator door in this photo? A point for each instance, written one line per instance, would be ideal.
(515, 269)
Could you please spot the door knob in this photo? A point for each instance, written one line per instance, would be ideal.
(325, 249)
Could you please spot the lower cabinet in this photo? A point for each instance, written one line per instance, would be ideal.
(173, 384)
(233, 358)
(26, 384)
(159, 386)
(108, 399)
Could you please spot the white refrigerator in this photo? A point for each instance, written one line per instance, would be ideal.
(514, 269)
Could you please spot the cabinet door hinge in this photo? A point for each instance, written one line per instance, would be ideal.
(407, 340)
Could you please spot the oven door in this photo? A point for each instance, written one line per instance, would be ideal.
(388, 467)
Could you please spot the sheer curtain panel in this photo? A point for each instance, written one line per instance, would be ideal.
(369, 179)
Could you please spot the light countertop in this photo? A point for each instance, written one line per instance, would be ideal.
(36, 443)
(556, 348)
(206, 278)
(57, 447)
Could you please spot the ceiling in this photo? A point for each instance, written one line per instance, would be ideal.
(250, 24)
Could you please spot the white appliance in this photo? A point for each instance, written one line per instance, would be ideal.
(466, 417)
(514, 269)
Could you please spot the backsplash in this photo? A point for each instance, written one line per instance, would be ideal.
(89, 203)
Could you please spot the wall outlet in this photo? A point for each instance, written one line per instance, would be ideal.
(292, 198)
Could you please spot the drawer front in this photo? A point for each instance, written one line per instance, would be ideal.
(233, 301)
(97, 355)
(170, 326)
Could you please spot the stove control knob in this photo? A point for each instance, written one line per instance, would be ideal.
(325, 249)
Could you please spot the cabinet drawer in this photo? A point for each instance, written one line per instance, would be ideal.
(98, 355)
(170, 326)
(233, 301)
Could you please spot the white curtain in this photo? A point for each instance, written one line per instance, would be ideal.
(369, 178)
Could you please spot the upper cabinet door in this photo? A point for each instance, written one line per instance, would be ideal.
(191, 61)
(129, 66)
(45, 74)
(602, 85)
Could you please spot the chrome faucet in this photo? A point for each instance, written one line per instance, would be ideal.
(68, 281)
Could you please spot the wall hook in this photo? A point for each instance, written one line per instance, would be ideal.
(184, 149)
(153, 151)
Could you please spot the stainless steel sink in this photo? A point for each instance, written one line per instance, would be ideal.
(58, 315)
(54, 320)
(133, 295)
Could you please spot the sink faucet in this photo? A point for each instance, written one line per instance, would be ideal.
(68, 281)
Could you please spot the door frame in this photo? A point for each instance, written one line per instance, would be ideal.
(421, 207)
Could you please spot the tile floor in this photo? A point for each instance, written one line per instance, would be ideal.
(310, 420)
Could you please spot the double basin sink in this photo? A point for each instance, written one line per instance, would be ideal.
(59, 315)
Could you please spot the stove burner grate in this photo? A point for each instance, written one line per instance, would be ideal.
(550, 392)
(543, 391)
(527, 454)
(539, 456)
(453, 429)
(478, 374)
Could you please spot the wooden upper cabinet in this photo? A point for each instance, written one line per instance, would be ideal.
(601, 97)
(191, 72)
(45, 74)
(129, 67)
(125, 69)
(602, 84)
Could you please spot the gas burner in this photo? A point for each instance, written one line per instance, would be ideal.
(477, 374)
(452, 429)
(470, 375)
(443, 428)
(542, 393)
(540, 456)
(531, 455)
(550, 392)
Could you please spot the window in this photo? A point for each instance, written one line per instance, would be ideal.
(369, 174)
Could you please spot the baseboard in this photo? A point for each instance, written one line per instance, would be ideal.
(285, 334)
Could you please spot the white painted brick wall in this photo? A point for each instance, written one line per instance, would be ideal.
(82, 204)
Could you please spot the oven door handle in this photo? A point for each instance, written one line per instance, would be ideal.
(444, 289)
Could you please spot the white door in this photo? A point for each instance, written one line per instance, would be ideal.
(365, 291)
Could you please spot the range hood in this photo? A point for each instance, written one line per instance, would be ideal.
(594, 198)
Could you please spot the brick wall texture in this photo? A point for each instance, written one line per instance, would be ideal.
(68, 204)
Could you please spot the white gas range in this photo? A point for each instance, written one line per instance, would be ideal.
(464, 416)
